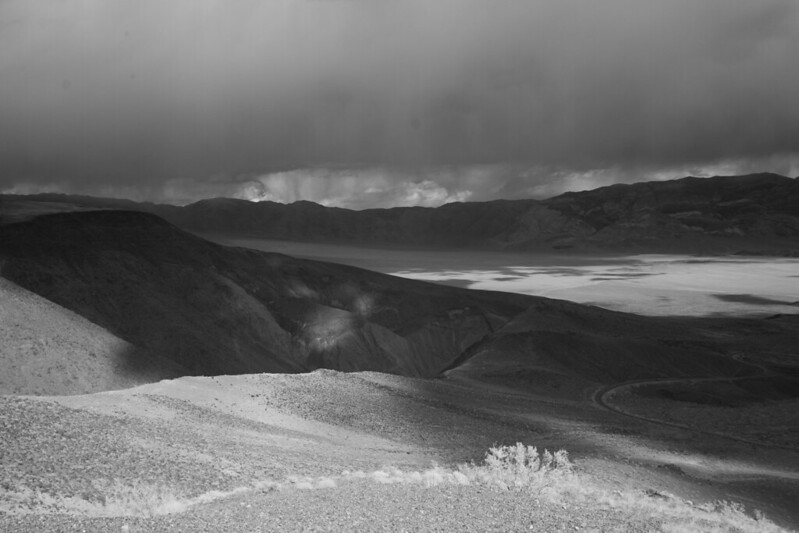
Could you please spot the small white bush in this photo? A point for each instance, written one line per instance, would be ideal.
(138, 499)
(519, 466)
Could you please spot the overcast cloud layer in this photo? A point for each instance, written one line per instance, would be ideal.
(391, 102)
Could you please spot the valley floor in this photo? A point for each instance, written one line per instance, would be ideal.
(644, 284)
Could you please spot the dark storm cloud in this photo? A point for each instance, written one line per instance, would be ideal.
(215, 94)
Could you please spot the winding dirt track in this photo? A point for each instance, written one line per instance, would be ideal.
(601, 396)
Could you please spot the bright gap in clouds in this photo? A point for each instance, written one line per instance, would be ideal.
(386, 187)
(361, 189)
(366, 188)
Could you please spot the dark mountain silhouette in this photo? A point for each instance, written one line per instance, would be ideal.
(756, 213)
(219, 310)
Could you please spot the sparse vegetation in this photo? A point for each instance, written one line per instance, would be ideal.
(552, 476)
(676, 515)
(516, 467)
(138, 499)
(519, 466)
(545, 476)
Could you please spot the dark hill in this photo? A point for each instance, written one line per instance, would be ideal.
(218, 310)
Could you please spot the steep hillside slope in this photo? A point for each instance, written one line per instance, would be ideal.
(562, 348)
(46, 349)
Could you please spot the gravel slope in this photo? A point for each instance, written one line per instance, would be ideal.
(47, 349)
(367, 506)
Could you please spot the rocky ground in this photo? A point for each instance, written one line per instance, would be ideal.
(47, 349)
(329, 452)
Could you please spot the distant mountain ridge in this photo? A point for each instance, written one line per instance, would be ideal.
(757, 212)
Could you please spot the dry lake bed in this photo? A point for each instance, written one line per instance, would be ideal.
(657, 285)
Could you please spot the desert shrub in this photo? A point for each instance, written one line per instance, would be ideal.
(519, 466)
(138, 499)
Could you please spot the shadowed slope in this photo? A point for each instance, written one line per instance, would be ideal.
(563, 348)
(218, 310)
(46, 349)
(616, 346)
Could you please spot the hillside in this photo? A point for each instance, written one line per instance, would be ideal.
(216, 310)
(46, 349)
(731, 213)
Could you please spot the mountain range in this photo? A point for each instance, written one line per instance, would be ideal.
(756, 213)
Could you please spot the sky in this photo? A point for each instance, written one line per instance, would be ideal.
(380, 103)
